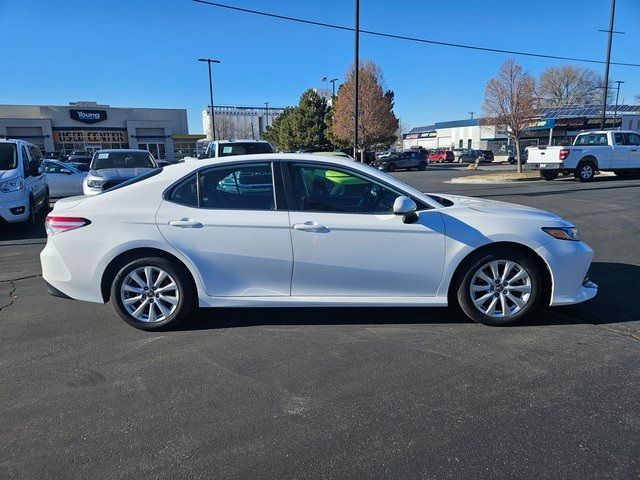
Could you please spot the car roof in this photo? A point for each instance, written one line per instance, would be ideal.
(111, 150)
(239, 140)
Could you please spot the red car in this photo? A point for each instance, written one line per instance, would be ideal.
(441, 156)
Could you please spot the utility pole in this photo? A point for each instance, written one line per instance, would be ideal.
(333, 85)
(471, 115)
(607, 62)
(213, 117)
(266, 114)
(356, 62)
(615, 112)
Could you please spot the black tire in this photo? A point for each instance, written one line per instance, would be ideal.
(501, 254)
(46, 204)
(187, 295)
(585, 171)
(422, 166)
(512, 161)
(549, 174)
(391, 167)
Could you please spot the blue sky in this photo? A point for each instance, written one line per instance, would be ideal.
(143, 53)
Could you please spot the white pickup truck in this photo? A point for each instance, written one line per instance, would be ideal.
(607, 150)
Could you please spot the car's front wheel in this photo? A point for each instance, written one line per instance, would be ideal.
(153, 293)
(500, 287)
(391, 167)
(422, 165)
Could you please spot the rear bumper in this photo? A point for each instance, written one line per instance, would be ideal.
(546, 166)
(51, 290)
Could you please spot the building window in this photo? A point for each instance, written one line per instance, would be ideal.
(469, 144)
(460, 144)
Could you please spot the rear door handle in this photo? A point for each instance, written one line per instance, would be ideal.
(309, 226)
(634, 149)
(185, 223)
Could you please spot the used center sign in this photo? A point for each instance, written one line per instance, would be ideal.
(88, 116)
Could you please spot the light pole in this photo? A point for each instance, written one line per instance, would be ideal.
(333, 85)
(356, 63)
(266, 114)
(608, 61)
(615, 112)
(213, 117)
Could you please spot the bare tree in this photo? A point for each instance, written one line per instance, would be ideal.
(377, 124)
(568, 85)
(509, 102)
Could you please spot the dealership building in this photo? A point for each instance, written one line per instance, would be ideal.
(90, 126)
(550, 126)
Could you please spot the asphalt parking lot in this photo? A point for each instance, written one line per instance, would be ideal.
(333, 393)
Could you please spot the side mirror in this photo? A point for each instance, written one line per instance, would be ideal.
(34, 168)
(407, 208)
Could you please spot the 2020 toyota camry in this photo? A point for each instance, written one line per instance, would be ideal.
(285, 230)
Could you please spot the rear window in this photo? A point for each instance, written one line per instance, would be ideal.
(592, 139)
(122, 160)
(239, 148)
(8, 156)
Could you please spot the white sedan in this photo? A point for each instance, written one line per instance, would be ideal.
(64, 180)
(286, 230)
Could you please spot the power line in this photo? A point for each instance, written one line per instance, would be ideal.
(407, 38)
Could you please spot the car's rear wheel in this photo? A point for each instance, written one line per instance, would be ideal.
(549, 174)
(153, 293)
(500, 287)
(422, 166)
(585, 171)
(391, 167)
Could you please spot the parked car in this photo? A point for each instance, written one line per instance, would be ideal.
(511, 157)
(440, 156)
(227, 148)
(177, 238)
(487, 155)
(53, 155)
(112, 167)
(405, 160)
(63, 179)
(472, 156)
(80, 160)
(23, 183)
(603, 150)
(457, 153)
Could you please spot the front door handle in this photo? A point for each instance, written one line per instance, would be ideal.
(185, 223)
(310, 226)
(634, 149)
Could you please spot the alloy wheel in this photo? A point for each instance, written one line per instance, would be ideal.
(149, 294)
(500, 288)
(586, 172)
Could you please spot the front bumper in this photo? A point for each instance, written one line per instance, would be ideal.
(12, 211)
(569, 264)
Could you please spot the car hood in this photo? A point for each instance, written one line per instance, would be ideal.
(111, 174)
(502, 208)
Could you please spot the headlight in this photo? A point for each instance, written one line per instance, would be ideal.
(563, 233)
(12, 185)
(95, 183)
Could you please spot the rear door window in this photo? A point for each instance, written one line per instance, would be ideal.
(237, 187)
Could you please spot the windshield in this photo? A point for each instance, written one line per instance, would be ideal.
(122, 160)
(8, 156)
(592, 139)
(249, 148)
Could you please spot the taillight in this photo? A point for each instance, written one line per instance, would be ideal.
(564, 153)
(54, 224)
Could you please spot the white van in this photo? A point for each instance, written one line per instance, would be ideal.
(23, 182)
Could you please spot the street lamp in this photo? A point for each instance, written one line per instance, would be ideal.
(266, 113)
(213, 118)
(333, 85)
(356, 63)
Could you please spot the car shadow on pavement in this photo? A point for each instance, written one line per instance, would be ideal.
(22, 231)
(617, 300)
